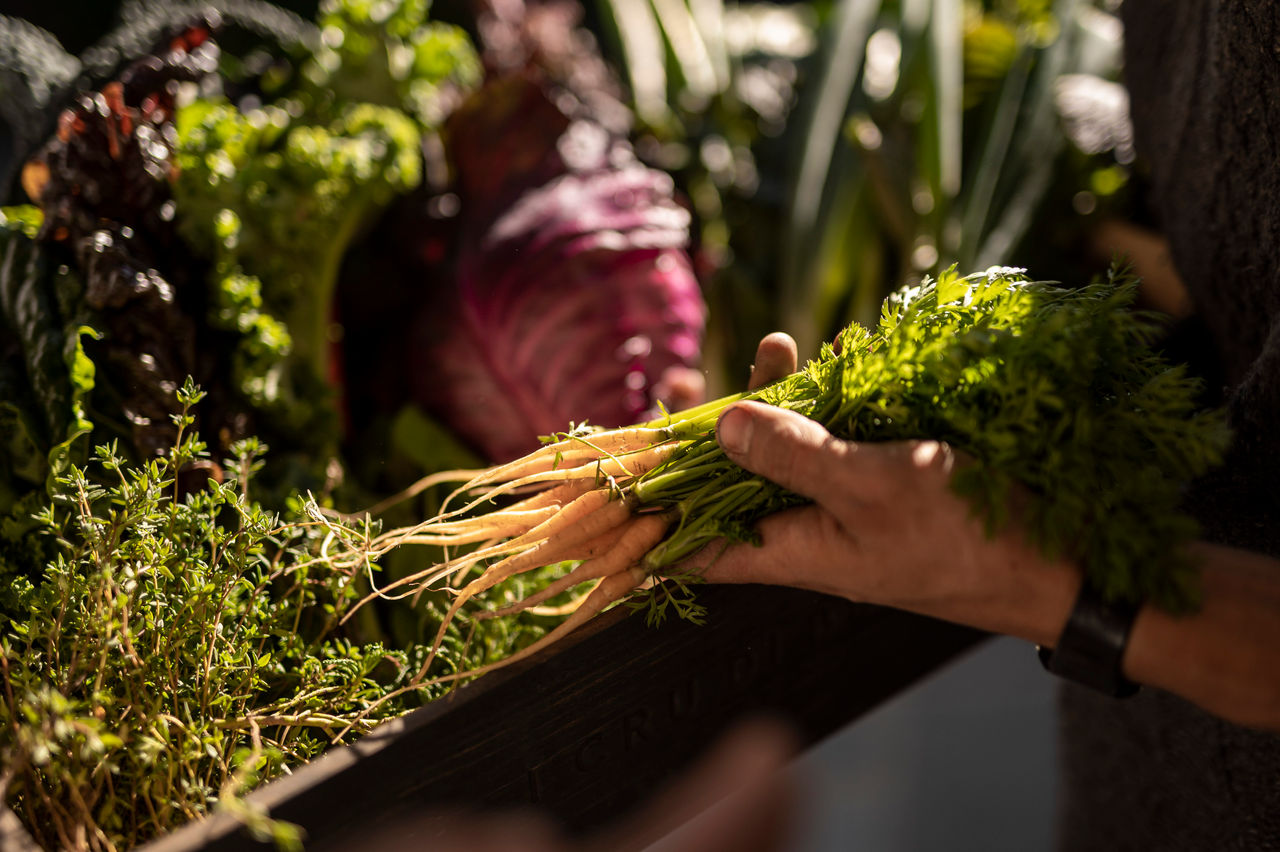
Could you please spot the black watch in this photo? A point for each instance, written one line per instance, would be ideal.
(1091, 647)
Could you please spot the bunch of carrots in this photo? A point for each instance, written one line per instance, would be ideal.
(1055, 391)
(601, 500)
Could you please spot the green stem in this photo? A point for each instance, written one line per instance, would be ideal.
(312, 312)
(659, 488)
(695, 420)
(708, 521)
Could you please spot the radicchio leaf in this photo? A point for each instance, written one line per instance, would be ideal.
(574, 298)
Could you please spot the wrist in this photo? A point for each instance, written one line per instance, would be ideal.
(1017, 591)
(1045, 591)
(1091, 648)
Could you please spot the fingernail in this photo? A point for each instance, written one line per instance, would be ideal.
(733, 430)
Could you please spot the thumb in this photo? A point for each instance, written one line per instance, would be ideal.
(785, 447)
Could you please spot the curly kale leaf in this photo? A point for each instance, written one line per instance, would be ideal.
(275, 195)
(275, 202)
(45, 381)
(379, 52)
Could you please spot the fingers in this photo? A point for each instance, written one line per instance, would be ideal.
(785, 447)
(805, 548)
(801, 456)
(775, 358)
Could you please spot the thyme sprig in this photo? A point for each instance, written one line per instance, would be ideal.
(183, 646)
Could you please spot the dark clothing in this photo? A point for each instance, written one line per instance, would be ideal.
(1154, 772)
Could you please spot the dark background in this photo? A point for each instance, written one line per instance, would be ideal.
(79, 23)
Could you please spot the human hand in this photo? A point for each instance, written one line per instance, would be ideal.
(884, 527)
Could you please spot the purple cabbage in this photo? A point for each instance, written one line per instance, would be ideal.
(574, 297)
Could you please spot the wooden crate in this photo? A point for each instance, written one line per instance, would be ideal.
(592, 727)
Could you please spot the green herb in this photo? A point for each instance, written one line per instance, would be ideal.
(183, 645)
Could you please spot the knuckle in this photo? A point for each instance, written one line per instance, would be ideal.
(798, 453)
(932, 460)
(788, 454)
(833, 532)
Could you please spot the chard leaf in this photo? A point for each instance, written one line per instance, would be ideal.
(81, 373)
(20, 455)
(58, 374)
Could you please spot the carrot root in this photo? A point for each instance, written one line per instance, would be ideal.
(543, 552)
(635, 540)
(611, 590)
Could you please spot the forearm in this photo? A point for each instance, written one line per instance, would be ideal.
(1226, 656)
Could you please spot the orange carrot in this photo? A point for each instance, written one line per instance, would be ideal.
(553, 497)
(612, 589)
(572, 450)
(549, 549)
(512, 536)
(504, 524)
(640, 535)
(600, 469)
(596, 546)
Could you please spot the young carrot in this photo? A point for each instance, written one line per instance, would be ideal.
(640, 535)
(508, 529)
(609, 467)
(611, 590)
(560, 534)
(510, 521)
(581, 507)
(455, 533)
(596, 546)
(517, 536)
(554, 496)
(572, 450)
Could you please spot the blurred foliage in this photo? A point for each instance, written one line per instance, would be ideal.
(836, 151)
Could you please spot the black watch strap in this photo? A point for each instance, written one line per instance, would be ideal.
(1091, 647)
